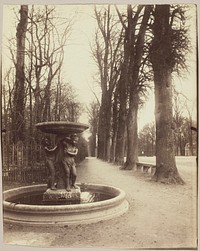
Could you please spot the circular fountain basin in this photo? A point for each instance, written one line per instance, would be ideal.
(86, 213)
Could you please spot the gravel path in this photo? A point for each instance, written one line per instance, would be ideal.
(159, 216)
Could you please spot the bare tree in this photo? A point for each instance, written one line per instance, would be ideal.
(47, 38)
(123, 98)
(107, 56)
(147, 138)
(64, 103)
(178, 102)
(18, 123)
(7, 105)
(135, 35)
(192, 135)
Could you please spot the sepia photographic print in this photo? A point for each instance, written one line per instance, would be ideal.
(99, 125)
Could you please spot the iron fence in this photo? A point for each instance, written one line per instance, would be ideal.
(23, 163)
(25, 175)
(21, 156)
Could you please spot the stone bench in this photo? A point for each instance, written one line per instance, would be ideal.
(145, 167)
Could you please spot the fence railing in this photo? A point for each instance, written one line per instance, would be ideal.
(27, 176)
(23, 163)
(21, 156)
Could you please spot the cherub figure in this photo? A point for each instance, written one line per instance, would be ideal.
(50, 163)
(70, 151)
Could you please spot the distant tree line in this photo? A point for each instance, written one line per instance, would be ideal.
(185, 140)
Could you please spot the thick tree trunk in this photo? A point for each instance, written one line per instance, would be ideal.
(93, 145)
(114, 126)
(113, 147)
(101, 133)
(166, 170)
(18, 120)
(101, 148)
(104, 127)
(108, 128)
(120, 141)
(132, 136)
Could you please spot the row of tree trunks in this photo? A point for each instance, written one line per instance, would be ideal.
(137, 52)
(134, 44)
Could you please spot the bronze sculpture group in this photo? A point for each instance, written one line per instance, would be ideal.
(60, 162)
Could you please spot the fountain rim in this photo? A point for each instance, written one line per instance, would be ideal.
(61, 127)
(60, 215)
(120, 196)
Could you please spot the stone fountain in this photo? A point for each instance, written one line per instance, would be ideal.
(62, 201)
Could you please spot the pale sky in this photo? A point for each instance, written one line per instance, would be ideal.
(79, 67)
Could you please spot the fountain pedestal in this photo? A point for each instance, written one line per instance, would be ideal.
(62, 197)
